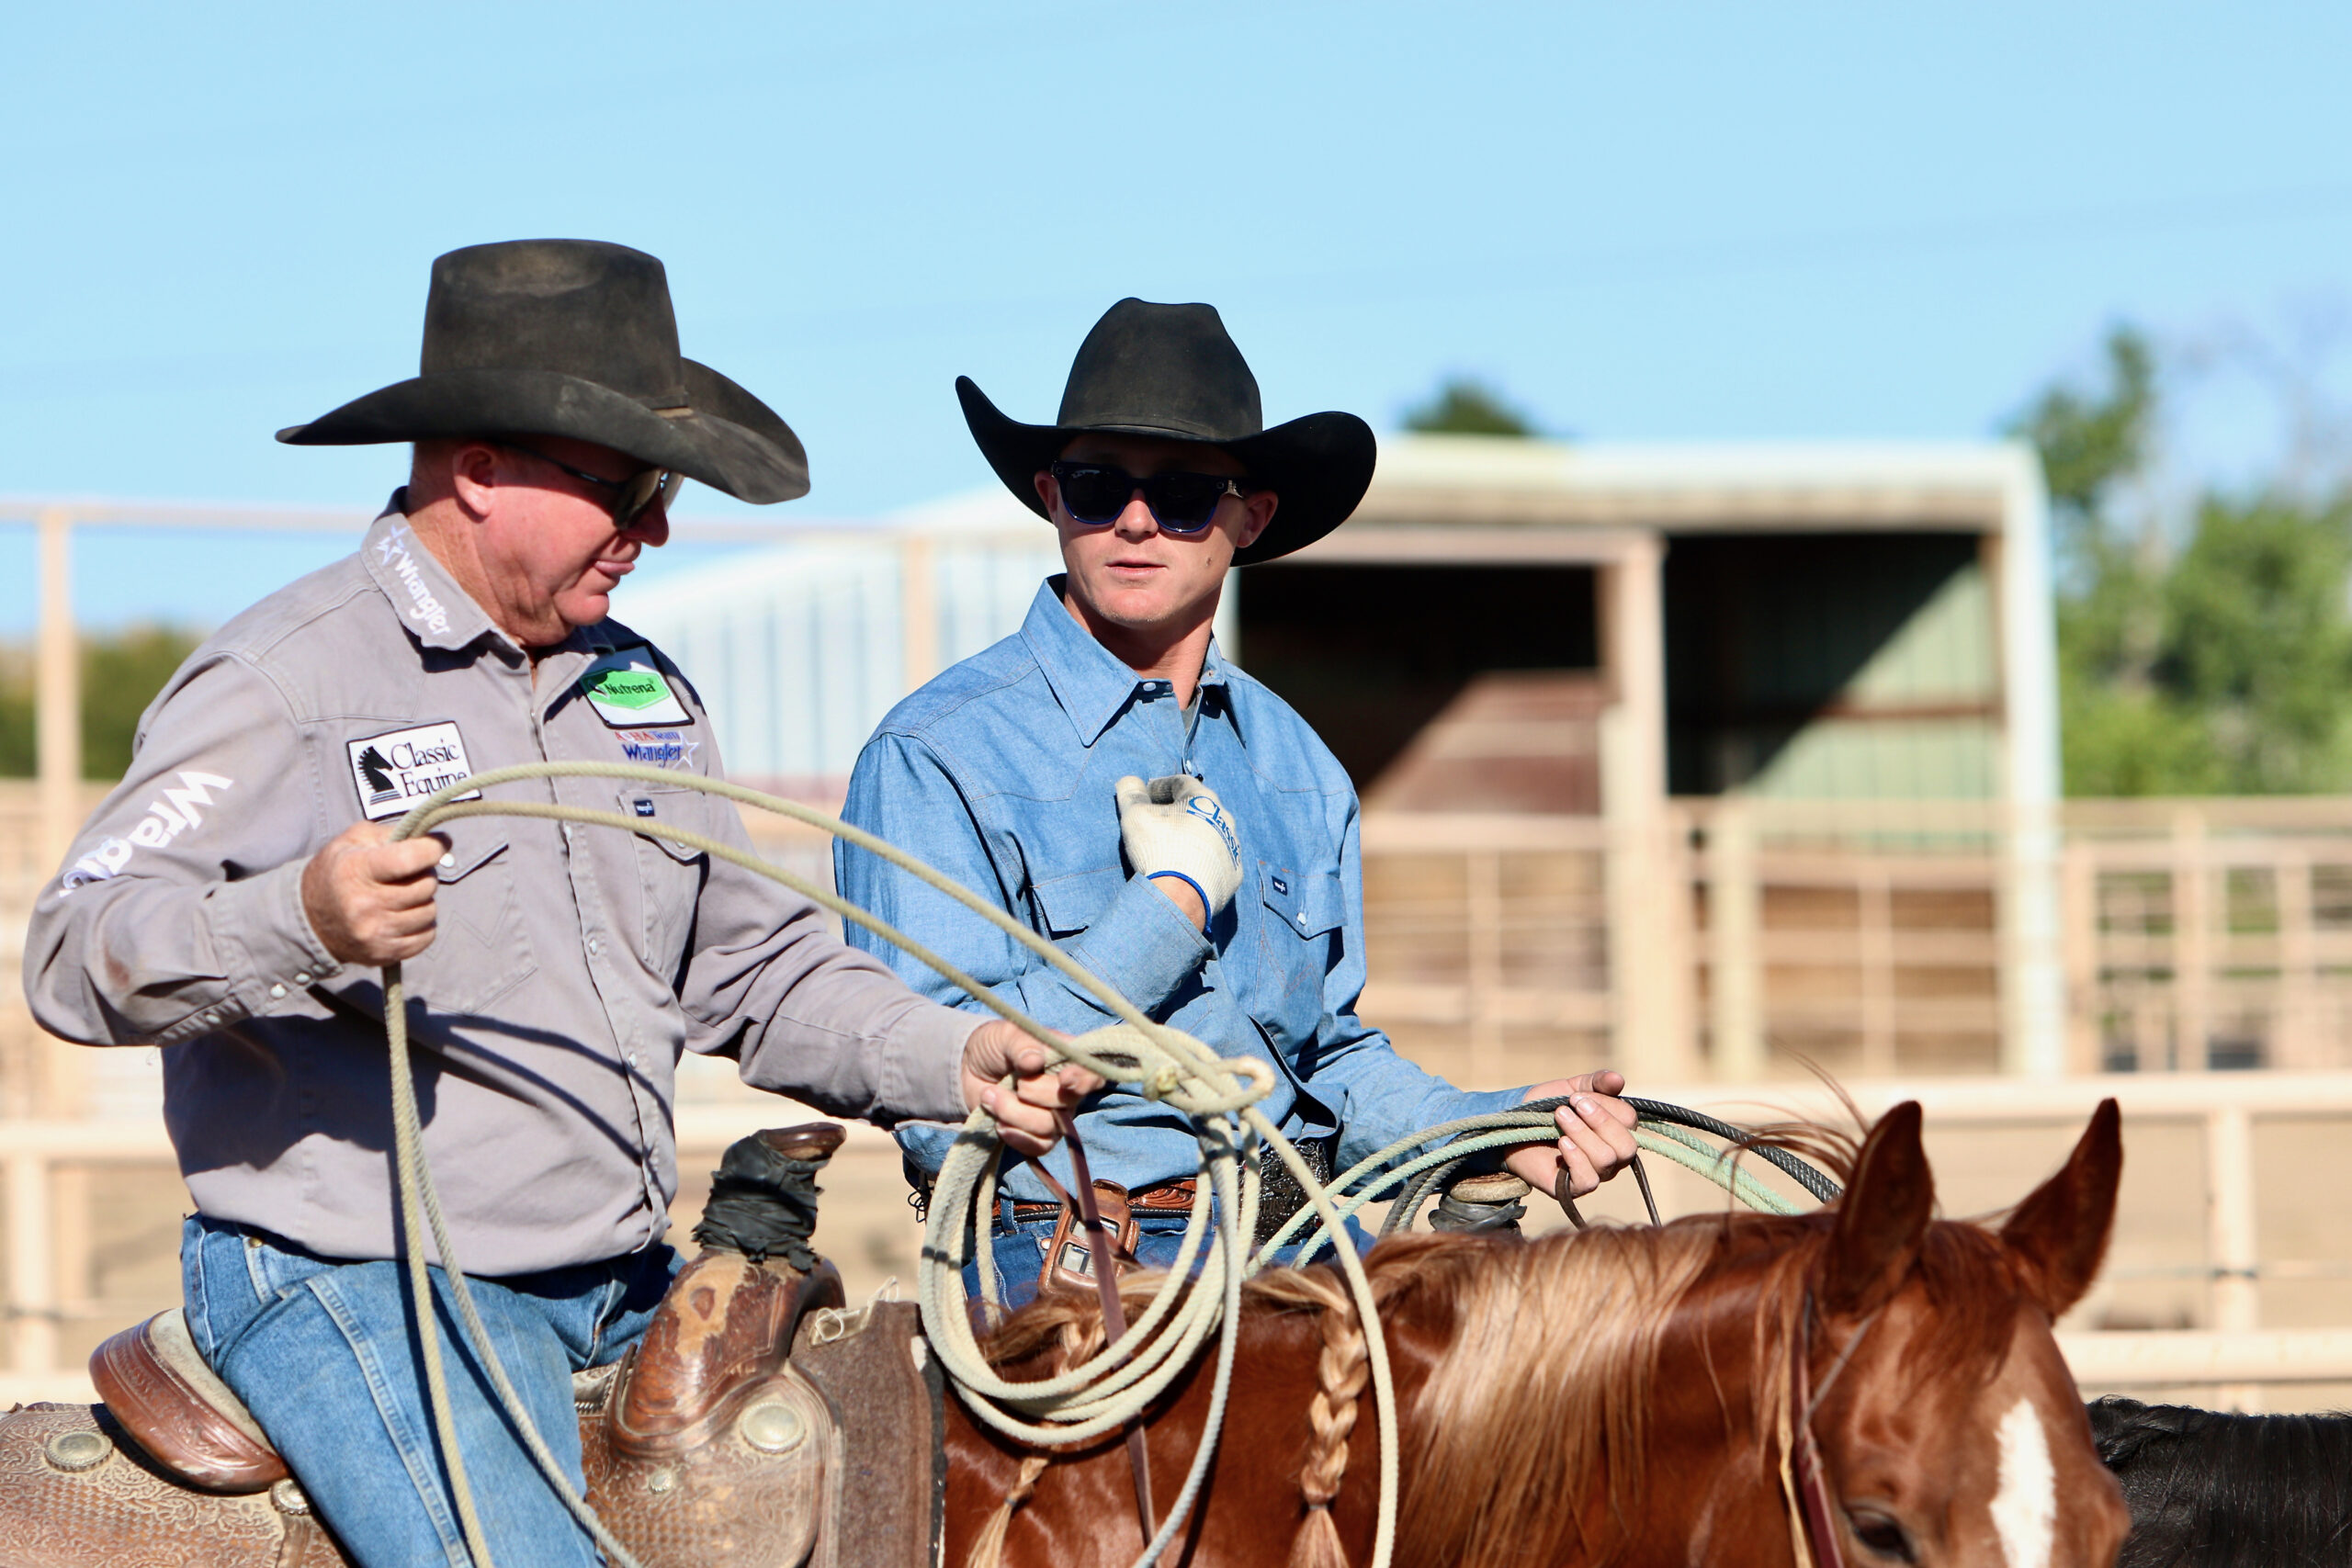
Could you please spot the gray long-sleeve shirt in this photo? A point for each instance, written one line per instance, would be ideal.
(570, 968)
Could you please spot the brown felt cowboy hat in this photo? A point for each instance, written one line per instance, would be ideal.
(1171, 371)
(574, 338)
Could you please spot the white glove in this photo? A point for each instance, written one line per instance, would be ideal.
(1177, 827)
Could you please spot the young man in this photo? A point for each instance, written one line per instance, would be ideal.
(1227, 900)
(232, 900)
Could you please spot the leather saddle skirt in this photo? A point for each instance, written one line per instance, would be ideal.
(728, 1434)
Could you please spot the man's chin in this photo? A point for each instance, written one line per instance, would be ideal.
(584, 607)
(1139, 609)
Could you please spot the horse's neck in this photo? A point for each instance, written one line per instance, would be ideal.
(1673, 1468)
(1713, 1488)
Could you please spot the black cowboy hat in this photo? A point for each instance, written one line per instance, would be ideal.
(575, 338)
(1170, 371)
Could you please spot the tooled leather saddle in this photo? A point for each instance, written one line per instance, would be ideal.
(757, 1423)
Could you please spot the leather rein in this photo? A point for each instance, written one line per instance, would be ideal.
(1806, 1476)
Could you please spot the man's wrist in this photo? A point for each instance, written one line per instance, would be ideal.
(1199, 917)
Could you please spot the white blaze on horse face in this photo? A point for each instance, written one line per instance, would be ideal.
(2025, 1510)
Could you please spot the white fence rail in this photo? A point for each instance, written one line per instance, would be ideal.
(2230, 1359)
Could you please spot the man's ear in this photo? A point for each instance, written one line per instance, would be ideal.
(1881, 1219)
(471, 476)
(1262, 505)
(1047, 492)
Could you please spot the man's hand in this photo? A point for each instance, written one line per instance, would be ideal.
(1176, 832)
(369, 899)
(1005, 1072)
(1596, 1135)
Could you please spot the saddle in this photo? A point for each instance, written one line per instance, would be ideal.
(757, 1423)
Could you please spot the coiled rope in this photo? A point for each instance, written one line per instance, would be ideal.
(1203, 1288)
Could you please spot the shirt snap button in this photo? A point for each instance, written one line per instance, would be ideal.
(449, 859)
(276, 991)
(301, 979)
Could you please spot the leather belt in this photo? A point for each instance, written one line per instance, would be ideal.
(1281, 1197)
(1161, 1198)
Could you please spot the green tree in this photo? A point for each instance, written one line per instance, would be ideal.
(2220, 666)
(1466, 407)
(121, 672)
(2088, 442)
(2258, 641)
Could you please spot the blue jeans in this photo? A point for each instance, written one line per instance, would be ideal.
(1018, 1249)
(325, 1355)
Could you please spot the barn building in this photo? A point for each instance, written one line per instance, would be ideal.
(1693, 758)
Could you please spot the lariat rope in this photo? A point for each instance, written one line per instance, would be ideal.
(1200, 1290)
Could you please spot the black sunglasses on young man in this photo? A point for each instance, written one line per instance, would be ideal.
(1095, 493)
(630, 496)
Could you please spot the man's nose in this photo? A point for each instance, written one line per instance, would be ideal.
(651, 527)
(1136, 519)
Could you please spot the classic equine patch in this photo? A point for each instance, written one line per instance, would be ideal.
(394, 771)
(628, 691)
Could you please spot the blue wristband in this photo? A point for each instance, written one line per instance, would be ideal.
(1207, 909)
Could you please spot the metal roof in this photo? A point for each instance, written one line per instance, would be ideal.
(1976, 486)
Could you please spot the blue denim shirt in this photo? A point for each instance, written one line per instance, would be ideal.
(999, 773)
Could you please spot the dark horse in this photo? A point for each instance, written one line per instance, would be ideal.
(2212, 1490)
(1624, 1396)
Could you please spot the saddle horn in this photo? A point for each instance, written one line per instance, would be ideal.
(730, 1315)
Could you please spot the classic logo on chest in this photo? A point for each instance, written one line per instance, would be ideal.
(393, 771)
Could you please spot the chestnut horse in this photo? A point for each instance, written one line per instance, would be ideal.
(1623, 1397)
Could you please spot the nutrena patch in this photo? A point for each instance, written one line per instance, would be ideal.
(628, 690)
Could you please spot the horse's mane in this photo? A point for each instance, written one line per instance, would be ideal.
(2209, 1488)
(1541, 1406)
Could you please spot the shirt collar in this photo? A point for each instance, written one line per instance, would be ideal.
(437, 612)
(1093, 686)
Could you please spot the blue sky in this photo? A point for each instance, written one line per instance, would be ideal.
(1649, 222)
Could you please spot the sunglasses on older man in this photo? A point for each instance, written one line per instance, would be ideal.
(1095, 493)
(628, 497)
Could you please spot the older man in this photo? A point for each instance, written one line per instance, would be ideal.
(1225, 897)
(232, 900)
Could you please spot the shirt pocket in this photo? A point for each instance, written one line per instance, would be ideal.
(482, 948)
(1306, 903)
(1304, 912)
(668, 874)
(1069, 903)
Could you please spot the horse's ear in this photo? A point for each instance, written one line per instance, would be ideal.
(2061, 1229)
(1881, 1219)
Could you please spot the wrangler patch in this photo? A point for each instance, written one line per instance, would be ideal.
(659, 748)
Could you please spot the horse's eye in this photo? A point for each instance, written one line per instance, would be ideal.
(1881, 1533)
